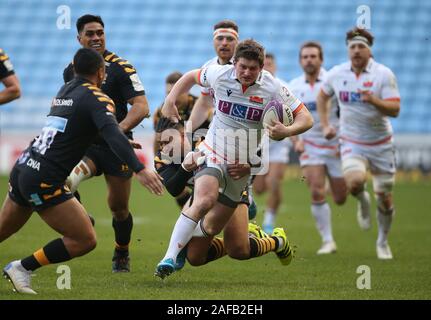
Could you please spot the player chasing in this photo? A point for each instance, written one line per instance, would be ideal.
(123, 86)
(237, 118)
(367, 94)
(319, 157)
(78, 113)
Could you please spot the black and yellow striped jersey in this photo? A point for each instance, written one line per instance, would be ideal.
(6, 67)
(184, 112)
(78, 112)
(121, 83)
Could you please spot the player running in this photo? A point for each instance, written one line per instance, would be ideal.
(319, 157)
(278, 158)
(238, 120)
(123, 86)
(367, 94)
(241, 240)
(78, 113)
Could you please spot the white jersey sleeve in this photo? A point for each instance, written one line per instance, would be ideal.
(327, 86)
(207, 76)
(288, 98)
(389, 89)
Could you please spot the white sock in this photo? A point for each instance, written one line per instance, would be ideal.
(363, 197)
(269, 217)
(322, 214)
(280, 244)
(199, 230)
(181, 235)
(384, 222)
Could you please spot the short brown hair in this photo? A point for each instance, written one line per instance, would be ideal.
(312, 44)
(226, 24)
(173, 77)
(269, 55)
(251, 50)
(359, 32)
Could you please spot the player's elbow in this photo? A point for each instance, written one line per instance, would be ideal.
(14, 92)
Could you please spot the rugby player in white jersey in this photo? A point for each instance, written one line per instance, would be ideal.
(278, 159)
(319, 157)
(225, 39)
(367, 94)
(241, 92)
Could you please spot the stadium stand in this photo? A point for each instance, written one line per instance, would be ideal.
(161, 36)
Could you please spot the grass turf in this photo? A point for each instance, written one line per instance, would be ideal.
(309, 276)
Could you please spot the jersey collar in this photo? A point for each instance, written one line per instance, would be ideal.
(368, 68)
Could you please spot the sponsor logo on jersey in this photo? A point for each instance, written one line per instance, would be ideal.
(33, 164)
(240, 111)
(367, 84)
(229, 92)
(62, 102)
(347, 96)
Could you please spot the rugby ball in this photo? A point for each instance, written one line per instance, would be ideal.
(276, 110)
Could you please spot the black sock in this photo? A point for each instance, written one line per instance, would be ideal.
(123, 231)
(53, 252)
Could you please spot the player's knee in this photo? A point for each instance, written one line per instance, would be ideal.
(239, 252)
(384, 202)
(317, 194)
(355, 186)
(204, 204)
(213, 230)
(340, 199)
(196, 261)
(89, 243)
(258, 188)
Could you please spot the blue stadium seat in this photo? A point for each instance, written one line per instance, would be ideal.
(161, 36)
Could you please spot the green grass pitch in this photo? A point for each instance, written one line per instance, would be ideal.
(309, 276)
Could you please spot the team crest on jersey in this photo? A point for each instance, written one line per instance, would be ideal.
(256, 99)
(240, 111)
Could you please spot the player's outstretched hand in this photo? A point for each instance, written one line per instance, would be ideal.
(329, 132)
(151, 180)
(237, 171)
(170, 111)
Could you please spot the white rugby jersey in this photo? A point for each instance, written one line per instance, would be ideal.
(361, 122)
(213, 61)
(307, 93)
(238, 107)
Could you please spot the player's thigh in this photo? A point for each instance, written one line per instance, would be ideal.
(315, 176)
(338, 189)
(217, 218)
(236, 231)
(259, 184)
(275, 174)
(12, 217)
(70, 219)
(118, 192)
(206, 187)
